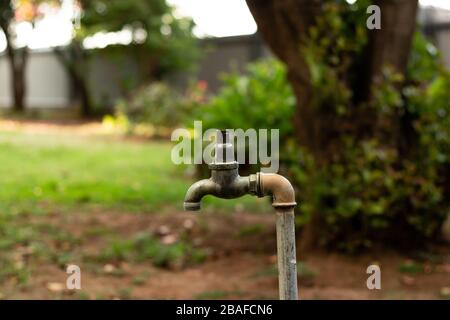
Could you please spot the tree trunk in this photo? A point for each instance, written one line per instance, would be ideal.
(284, 26)
(74, 62)
(17, 59)
(86, 105)
(390, 45)
(19, 82)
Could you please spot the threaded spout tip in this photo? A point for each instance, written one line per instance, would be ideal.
(192, 206)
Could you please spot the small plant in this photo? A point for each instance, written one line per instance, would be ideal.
(269, 271)
(251, 230)
(124, 293)
(210, 295)
(139, 280)
(14, 271)
(411, 267)
(156, 109)
(146, 246)
(82, 295)
(304, 271)
(165, 255)
(117, 250)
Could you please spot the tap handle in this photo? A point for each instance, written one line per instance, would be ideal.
(224, 151)
(223, 136)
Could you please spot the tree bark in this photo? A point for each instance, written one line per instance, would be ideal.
(390, 45)
(17, 59)
(74, 61)
(284, 25)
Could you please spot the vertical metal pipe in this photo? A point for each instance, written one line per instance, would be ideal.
(287, 261)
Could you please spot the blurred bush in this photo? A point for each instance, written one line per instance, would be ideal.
(376, 188)
(145, 246)
(261, 98)
(156, 109)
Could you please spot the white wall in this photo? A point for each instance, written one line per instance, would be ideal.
(47, 83)
(50, 87)
(4, 83)
(443, 42)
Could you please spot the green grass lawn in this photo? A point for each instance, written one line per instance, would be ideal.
(42, 172)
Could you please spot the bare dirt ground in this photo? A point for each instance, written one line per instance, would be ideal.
(240, 264)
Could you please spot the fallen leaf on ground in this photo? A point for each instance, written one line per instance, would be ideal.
(169, 239)
(163, 230)
(55, 286)
(409, 281)
(108, 268)
(188, 224)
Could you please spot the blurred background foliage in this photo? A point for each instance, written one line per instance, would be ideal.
(161, 41)
(157, 108)
(383, 175)
(387, 177)
(160, 44)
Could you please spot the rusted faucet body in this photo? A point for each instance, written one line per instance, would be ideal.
(226, 183)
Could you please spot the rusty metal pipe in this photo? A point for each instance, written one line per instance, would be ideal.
(283, 200)
(286, 254)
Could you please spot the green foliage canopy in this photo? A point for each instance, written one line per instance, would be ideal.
(161, 40)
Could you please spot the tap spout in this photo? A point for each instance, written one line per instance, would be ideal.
(219, 185)
(196, 192)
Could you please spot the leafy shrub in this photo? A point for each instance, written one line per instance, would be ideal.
(379, 188)
(387, 182)
(260, 98)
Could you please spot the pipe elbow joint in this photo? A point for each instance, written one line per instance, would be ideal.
(278, 187)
